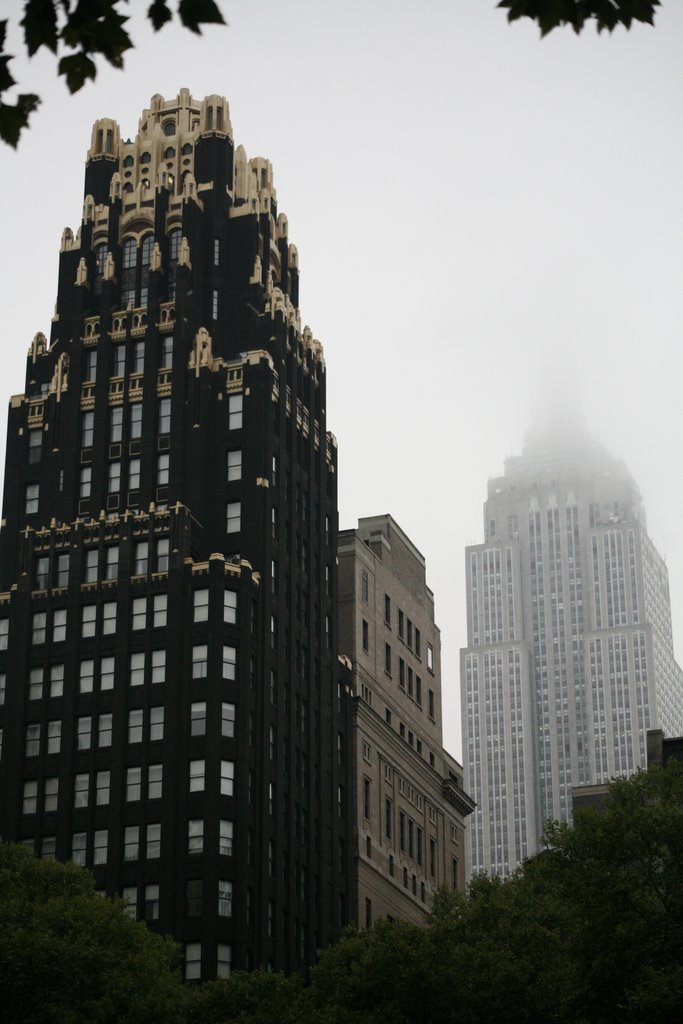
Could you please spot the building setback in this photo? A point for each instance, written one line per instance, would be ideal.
(410, 805)
(171, 703)
(570, 652)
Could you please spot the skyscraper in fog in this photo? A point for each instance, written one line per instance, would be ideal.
(169, 701)
(570, 652)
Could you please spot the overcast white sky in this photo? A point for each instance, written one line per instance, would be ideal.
(486, 222)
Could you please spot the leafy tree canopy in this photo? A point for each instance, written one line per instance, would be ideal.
(70, 956)
(76, 32)
(606, 14)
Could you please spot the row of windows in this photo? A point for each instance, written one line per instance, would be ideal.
(135, 352)
(139, 725)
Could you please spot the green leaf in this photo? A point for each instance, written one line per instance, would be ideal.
(14, 117)
(159, 13)
(77, 69)
(40, 25)
(194, 13)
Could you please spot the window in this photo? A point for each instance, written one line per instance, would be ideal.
(158, 666)
(195, 835)
(418, 642)
(33, 739)
(388, 817)
(137, 668)
(139, 613)
(152, 902)
(200, 654)
(234, 517)
(104, 723)
(90, 365)
(135, 420)
(133, 784)
(224, 898)
(116, 423)
(201, 605)
(154, 781)
(197, 776)
(193, 960)
(409, 633)
(3, 687)
(56, 680)
(401, 673)
(235, 465)
(418, 691)
(107, 673)
(4, 631)
(35, 441)
(108, 618)
(54, 736)
(141, 558)
(216, 251)
(90, 565)
(131, 842)
(234, 412)
(364, 587)
(118, 362)
(139, 356)
(51, 797)
(225, 839)
(129, 894)
(135, 726)
(86, 678)
(102, 784)
(198, 718)
(432, 857)
(430, 657)
(400, 624)
(85, 484)
(88, 620)
(229, 606)
(229, 662)
(42, 573)
(167, 352)
(163, 465)
(31, 497)
(164, 423)
(111, 571)
(387, 659)
(35, 684)
(38, 627)
(223, 960)
(87, 429)
(366, 799)
(133, 474)
(30, 797)
(153, 841)
(156, 723)
(114, 478)
(227, 777)
(162, 555)
(78, 848)
(193, 897)
(83, 732)
(81, 790)
(366, 636)
(62, 571)
(228, 720)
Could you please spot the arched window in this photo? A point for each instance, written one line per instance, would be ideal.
(128, 267)
(135, 271)
(173, 253)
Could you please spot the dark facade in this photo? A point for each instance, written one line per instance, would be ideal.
(172, 694)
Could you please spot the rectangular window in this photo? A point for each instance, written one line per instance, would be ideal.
(197, 776)
(31, 498)
(156, 723)
(164, 422)
(214, 305)
(3, 687)
(90, 565)
(108, 618)
(118, 362)
(225, 838)
(139, 356)
(141, 558)
(228, 720)
(30, 797)
(89, 365)
(54, 736)
(366, 636)
(235, 412)
(201, 605)
(418, 642)
(159, 666)
(62, 570)
(88, 620)
(229, 606)
(129, 894)
(388, 817)
(137, 668)
(116, 424)
(234, 465)
(193, 961)
(400, 624)
(133, 474)
(135, 726)
(162, 555)
(139, 613)
(223, 960)
(401, 673)
(198, 718)
(104, 723)
(193, 897)
(111, 571)
(229, 662)
(418, 691)
(35, 684)
(200, 655)
(135, 420)
(195, 835)
(387, 659)
(153, 841)
(234, 517)
(56, 680)
(163, 467)
(366, 799)
(131, 842)
(85, 484)
(4, 632)
(51, 797)
(102, 787)
(86, 676)
(84, 727)
(409, 633)
(87, 429)
(154, 781)
(107, 673)
(78, 848)
(216, 251)
(133, 784)
(167, 352)
(42, 573)
(224, 898)
(35, 443)
(114, 478)
(38, 627)
(364, 587)
(227, 777)
(81, 790)
(430, 657)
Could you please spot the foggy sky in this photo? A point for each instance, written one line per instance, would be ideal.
(488, 225)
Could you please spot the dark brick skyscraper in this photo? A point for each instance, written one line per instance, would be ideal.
(171, 710)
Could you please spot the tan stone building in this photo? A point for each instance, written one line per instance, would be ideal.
(410, 803)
